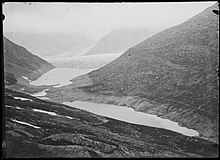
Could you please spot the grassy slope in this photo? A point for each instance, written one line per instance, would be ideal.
(172, 74)
(89, 135)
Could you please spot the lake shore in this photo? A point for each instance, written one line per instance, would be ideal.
(207, 128)
(185, 116)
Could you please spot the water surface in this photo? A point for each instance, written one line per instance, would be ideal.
(129, 115)
(59, 76)
(62, 76)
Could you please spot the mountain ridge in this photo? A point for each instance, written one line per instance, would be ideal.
(120, 40)
(43, 44)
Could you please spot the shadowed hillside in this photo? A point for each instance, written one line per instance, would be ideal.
(19, 62)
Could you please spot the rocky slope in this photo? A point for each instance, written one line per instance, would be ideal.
(20, 63)
(36, 128)
(118, 41)
(171, 74)
(44, 44)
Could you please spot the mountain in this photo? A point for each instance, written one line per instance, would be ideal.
(43, 44)
(171, 74)
(19, 62)
(53, 130)
(119, 41)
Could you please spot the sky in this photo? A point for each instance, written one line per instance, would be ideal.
(96, 19)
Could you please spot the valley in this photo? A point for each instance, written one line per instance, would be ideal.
(82, 61)
(64, 140)
(133, 94)
(171, 75)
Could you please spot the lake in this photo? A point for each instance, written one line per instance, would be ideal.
(62, 76)
(59, 76)
(130, 115)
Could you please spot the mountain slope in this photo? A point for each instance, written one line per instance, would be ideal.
(182, 55)
(54, 130)
(43, 44)
(19, 62)
(171, 74)
(119, 41)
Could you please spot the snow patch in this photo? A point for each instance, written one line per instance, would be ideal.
(8, 106)
(42, 93)
(26, 78)
(18, 108)
(13, 107)
(23, 99)
(51, 113)
(25, 123)
(43, 111)
(69, 117)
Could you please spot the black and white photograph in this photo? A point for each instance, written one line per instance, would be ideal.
(110, 79)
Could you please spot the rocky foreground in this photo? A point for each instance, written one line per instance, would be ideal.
(38, 128)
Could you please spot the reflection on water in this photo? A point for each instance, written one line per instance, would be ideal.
(131, 116)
